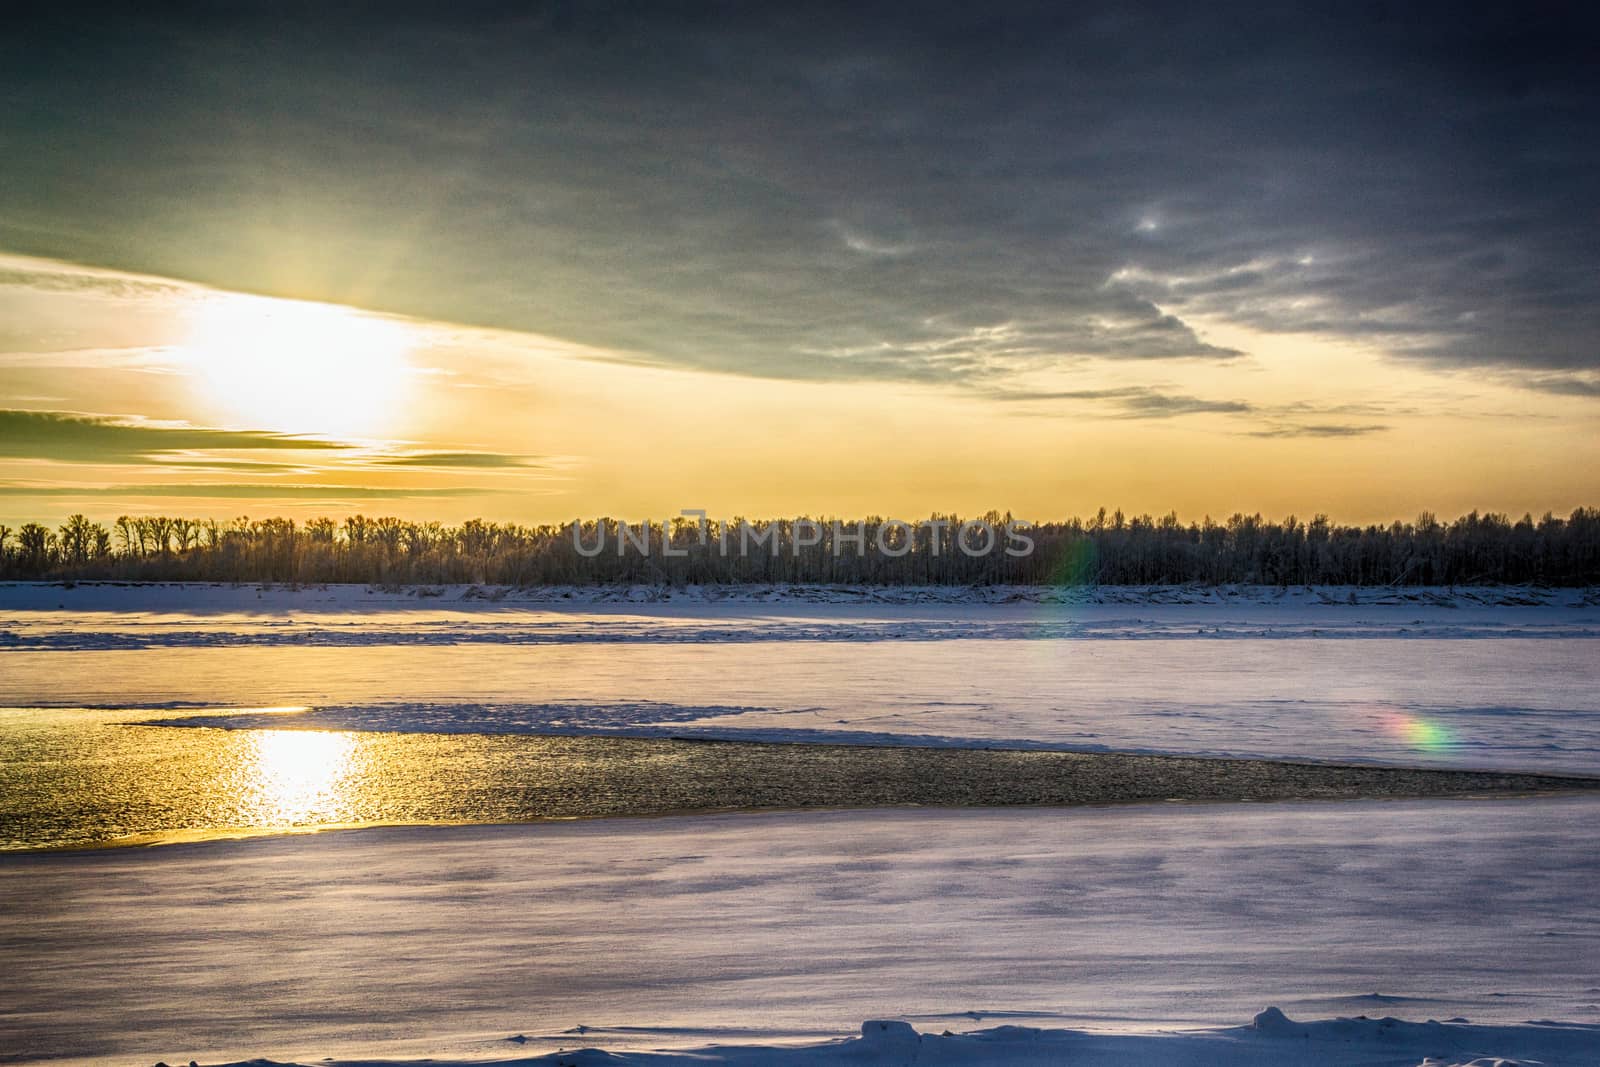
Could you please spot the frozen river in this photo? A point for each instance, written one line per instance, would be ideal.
(350, 706)
(1424, 680)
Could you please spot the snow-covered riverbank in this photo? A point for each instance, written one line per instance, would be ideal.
(117, 595)
(1271, 1039)
(758, 930)
(88, 616)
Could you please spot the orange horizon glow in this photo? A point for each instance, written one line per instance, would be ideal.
(427, 420)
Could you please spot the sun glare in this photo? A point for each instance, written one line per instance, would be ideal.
(301, 776)
(299, 367)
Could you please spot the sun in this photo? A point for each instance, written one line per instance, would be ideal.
(299, 367)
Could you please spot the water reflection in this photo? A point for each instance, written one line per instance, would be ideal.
(79, 776)
(295, 777)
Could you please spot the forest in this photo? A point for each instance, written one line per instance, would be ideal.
(1107, 549)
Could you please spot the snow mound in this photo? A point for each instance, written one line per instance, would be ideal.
(885, 1034)
(1271, 1021)
(1272, 1039)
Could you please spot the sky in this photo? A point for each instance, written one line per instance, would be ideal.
(534, 262)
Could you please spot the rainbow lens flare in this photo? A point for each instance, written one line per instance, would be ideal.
(1418, 732)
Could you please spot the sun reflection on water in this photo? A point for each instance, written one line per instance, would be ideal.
(294, 777)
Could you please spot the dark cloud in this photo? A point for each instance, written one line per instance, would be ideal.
(947, 193)
(74, 437)
(237, 491)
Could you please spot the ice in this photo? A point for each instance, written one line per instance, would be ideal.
(1479, 678)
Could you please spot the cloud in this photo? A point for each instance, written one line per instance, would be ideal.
(239, 490)
(458, 460)
(188, 463)
(1144, 402)
(1131, 402)
(83, 438)
(49, 276)
(1163, 406)
(74, 437)
(1319, 430)
(959, 197)
(1563, 385)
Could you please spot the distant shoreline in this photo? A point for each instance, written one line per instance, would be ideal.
(113, 595)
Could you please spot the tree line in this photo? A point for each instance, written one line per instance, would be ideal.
(1107, 549)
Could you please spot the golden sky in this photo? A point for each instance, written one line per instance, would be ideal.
(128, 394)
(540, 263)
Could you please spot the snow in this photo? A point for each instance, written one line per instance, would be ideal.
(1089, 936)
(1270, 1040)
(226, 596)
(88, 616)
